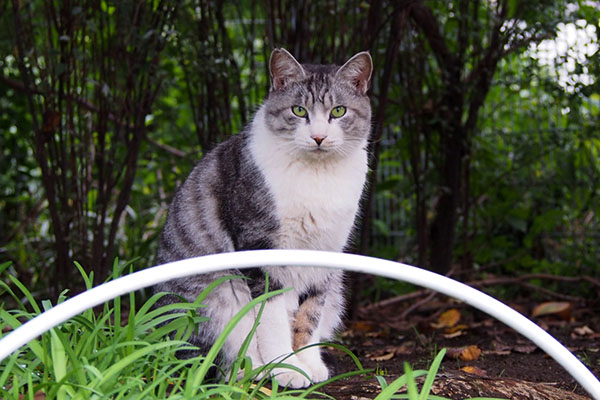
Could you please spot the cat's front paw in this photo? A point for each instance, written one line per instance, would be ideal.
(319, 372)
(290, 378)
(317, 369)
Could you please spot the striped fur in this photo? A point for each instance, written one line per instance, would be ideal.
(275, 186)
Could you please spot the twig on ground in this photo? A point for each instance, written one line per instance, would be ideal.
(395, 300)
(520, 280)
(418, 304)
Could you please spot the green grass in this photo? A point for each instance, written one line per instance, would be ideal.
(128, 352)
(409, 380)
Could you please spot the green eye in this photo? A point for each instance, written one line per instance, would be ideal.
(299, 111)
(338, 111)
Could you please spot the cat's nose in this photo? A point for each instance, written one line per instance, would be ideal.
(318, 138)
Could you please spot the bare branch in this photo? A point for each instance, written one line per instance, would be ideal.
(424, 18)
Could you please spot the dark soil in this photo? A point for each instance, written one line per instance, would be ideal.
(384, 340)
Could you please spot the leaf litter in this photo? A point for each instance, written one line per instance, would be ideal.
(476, 344)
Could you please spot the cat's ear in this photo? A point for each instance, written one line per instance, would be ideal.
(357, 71)
(284, 69)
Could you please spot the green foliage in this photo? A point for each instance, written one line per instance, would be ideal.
(187, 79)
(125, 351)
(533, 179)
(529, 197)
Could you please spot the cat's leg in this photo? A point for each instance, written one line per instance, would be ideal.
(306, 332)
(318, 317)
(274, 340)
(333, 308)
(221, 305)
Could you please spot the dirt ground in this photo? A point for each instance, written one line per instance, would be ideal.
(482, 352)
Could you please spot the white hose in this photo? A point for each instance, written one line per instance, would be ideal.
(247, 259)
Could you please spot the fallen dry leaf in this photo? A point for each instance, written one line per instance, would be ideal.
(469, 369)
(455, 328)
(361, 326)
(389, 352)
(358, 328)
(380, 355)
(469, 353)
(454, 334)
(384, 357)
(561, 309)
(455, 331)
(376, 334)
(447, 319)
(524, 348)
(583, 331)
(405, 348)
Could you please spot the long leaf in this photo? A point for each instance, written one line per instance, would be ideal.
(27, 294)
(435, 366)
(397, 384)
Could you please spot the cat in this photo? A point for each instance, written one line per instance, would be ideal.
(292, 179)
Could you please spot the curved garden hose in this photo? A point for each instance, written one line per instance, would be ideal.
(98, 295)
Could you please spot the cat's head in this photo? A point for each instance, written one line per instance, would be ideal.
(319, 110)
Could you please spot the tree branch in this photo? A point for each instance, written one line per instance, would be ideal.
(424, 18)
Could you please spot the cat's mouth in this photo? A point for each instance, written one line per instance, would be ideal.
(320, 149)
(320, 153)
(324, 147)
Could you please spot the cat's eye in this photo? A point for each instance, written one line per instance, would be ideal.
(338, 111)
(299, 111)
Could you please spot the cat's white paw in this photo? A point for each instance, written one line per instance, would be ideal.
(290, 378)
(319, 372)
(317, 369)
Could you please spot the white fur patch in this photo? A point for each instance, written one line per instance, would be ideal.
(316, 197)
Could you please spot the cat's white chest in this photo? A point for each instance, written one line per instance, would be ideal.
(316, 207)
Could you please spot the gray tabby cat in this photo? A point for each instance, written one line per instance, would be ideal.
(291, 180)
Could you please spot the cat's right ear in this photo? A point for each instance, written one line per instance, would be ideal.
(284, 69)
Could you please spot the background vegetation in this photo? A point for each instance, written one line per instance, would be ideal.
(485, 144)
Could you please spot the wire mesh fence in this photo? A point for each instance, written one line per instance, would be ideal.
(535, 153)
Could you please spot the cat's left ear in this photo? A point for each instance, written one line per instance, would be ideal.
(357, 71)
(284, 69)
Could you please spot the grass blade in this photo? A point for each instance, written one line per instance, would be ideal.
(431, 375)
(121, 364)
(397, 384)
